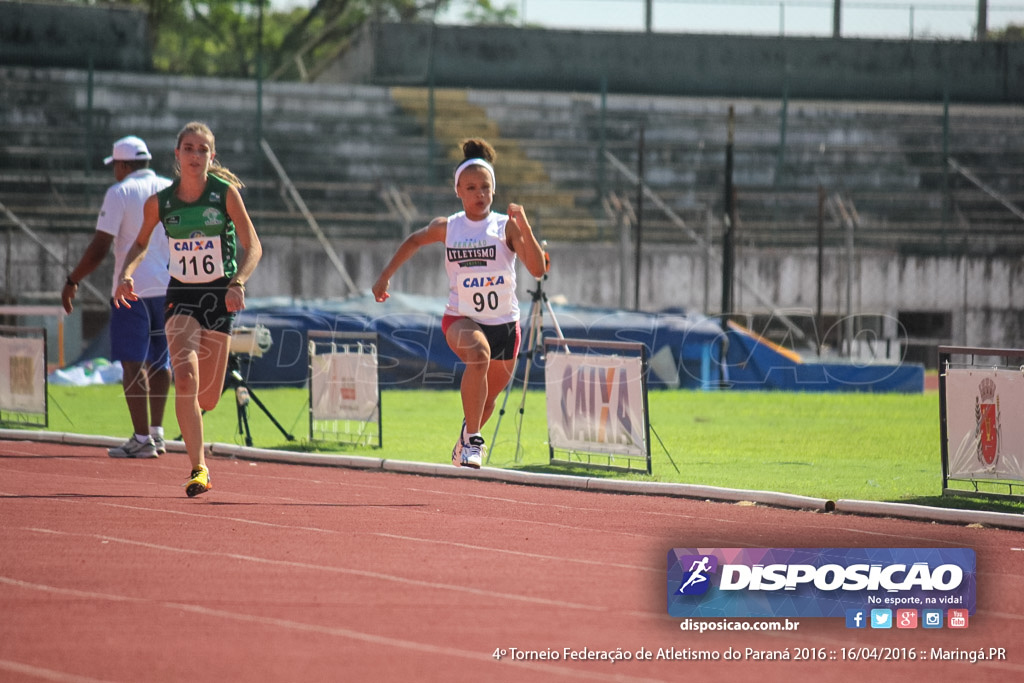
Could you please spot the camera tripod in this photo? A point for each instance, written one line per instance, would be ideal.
(534, 347)
(244, 394)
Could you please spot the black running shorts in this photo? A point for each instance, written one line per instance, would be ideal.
(204, 301)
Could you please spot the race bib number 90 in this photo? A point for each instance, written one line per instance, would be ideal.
(485, 295)
(196, 259)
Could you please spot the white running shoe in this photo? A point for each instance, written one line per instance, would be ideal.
(473, 452)
(159, 444)
(133, 448)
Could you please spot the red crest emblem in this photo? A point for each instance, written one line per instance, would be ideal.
(987, 415)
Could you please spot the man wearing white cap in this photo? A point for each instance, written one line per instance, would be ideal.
(137, 336)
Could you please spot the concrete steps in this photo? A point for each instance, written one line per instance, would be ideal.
(343, 145)
(521, 178)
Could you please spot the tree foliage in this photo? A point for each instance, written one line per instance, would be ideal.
(1011, 32)
(484, 12)
(224, 37)
(328, 27)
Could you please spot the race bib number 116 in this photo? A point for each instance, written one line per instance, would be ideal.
(196, 259)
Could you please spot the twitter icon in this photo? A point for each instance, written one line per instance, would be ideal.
(881, 618)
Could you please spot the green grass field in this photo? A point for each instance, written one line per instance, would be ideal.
(879, 447)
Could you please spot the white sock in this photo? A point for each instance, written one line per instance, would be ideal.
(156, 431)
(142, 438)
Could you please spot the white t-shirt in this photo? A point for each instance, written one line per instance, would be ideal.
(481, 270)
(121, 216)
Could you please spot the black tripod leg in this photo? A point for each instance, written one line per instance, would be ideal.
(258, 402)
(243, 423)
(534, 351)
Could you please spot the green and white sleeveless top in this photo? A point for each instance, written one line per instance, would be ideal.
(200, 234)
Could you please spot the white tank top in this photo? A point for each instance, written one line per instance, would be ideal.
(481, 270)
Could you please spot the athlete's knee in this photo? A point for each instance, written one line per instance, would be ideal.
(476, 355)
(209, 400)
(208, 397)
(185, 382)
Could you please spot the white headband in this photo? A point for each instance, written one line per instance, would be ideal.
(475, 162)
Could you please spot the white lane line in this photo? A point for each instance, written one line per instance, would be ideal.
(45, 674)
(926, 539)
(1002, 615)
(518, 553)
(938, 542)
(237, 520)
(377, 576)
(335, 631)
(416, 539)
(463, 494)
(935, 541)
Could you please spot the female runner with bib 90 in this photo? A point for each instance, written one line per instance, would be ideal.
(481, 318)
(205, 221)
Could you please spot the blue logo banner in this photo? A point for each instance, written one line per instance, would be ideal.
(818, 582)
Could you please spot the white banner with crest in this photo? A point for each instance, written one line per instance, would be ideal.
(23, 374)
(985, 432)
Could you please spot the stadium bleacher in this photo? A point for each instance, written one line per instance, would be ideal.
(342, 145)
(365, 164)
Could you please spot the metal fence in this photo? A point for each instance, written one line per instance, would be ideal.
(944, 19)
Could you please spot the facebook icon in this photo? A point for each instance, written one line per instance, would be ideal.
(856, 618)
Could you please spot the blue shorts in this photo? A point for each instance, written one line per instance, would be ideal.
(137, 333)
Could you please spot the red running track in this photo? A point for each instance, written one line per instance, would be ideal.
(300, 573)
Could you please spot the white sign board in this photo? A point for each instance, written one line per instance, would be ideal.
(344, 384)
(23, 374)
(595, 403)
(985, 432)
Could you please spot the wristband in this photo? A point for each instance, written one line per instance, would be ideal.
(71, 283)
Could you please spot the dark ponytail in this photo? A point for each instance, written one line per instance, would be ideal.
(478, 148)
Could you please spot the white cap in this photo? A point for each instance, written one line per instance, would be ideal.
(130, 148)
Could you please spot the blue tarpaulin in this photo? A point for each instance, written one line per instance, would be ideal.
(755, 363)
(684, 351)
(412, 351)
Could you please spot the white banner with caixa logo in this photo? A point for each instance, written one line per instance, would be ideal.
(596, 403)
(985, 432)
